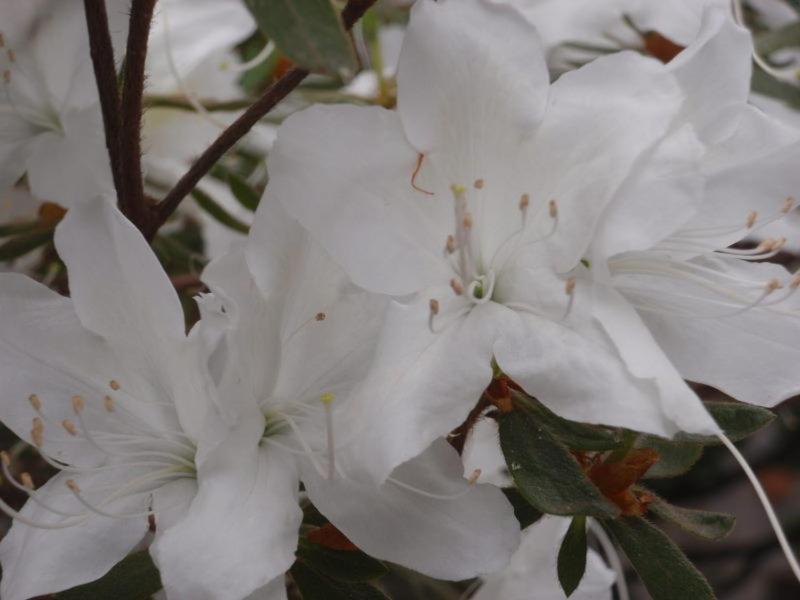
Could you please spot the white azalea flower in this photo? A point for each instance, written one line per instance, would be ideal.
(721, 318)
(296, 338)
(533, 568)
(50, 122)
(111, 392)
(473, 206)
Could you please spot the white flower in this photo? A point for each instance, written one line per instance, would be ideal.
(289, 342)
(111, 392)
(50, 121)
(533, 567)
(663, 244)
(474, 206)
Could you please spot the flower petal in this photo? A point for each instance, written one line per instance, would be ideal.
(474, 532)
(42, 561)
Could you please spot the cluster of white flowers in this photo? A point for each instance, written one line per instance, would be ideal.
(589, 238)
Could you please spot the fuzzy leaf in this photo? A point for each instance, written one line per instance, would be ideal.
(314, 585)
(705, 524)
(737, 420)
(246, 195)
(577, 436)
(23, 244)
(309, 32)
(135, 578)
(545, 472)
(342, 565)
(525, 513)
(663, 567)
(572, 556)
(219, 214)
(675, 457)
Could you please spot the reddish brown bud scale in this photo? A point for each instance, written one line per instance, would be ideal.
(330, 537)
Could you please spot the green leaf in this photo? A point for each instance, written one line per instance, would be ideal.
(135, 578)
(545, 472)
(577, 436)
(737, 420)
(23, 244)
(771, 41)
(10, 229)
(246, 195)
(216, 211)
(663, 567)
(766, 84)
(309, 32)
(314, 585)
(572, 556)
(705, 524)
(342, 565)
(675, 457)
(525, 513)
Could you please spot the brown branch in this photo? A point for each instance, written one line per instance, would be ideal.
(132, 199)
(354, 10)
(105, 73)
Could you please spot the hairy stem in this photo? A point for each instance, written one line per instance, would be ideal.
(132, 199)
(354, 10)
(105, 73)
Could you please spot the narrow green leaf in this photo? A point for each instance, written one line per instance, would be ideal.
(135, 578)
(10, 229)
(314, 585)
(771, 41)
(23, 244)
(577, 436)
(737, 420)
(525, 513)
(342, 565)
(246, 195)
(705, 524)
(766, 84)
(572, 556)
(545, 472)
(309, 32)
(216, 211)
(666, 572)
(676, 457)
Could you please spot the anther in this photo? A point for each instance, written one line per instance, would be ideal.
(467, 220)
(458, 289)
(36, 403)
(478, 184)
(37, 432)
(12, 56)
(772, 285)
(553, 209)
(114, 384)
(569, 286)
(77, 404)
(27, 480)
(788, 205)
(72, 485)
(69, 426)
(795, 281)
(752, 217)
(524, 202)
(417, 168)
(434, 306)
(473, 478)
(327, 398)
(458, 189)
(108, 403)
(450, 246)
(320, 316)
(4, 456)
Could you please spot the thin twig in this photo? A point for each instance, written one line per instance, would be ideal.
(105, 73)
(132, 199)
(354, 10)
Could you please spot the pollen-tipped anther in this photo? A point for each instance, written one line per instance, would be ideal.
(327, 398)
(36, 403)
(752, 217)
(772, 286)
(458, 189)
(458, 288)
(108, 403)
(78, 404)
(524, 202)
(479, 184)
(467, 221)
(37, 432)
(552, 208)
(788, 205)
(4, 456)
(450, 245)
(27, 481)
(473, 478)
(794, 283)
(569, 286)
(320, 316)
(73, 486)
(69, 427)
(114, 385)
(434, 310)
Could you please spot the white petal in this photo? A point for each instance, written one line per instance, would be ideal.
(360, 203)
(534, 567)
(471, 77)
(455, 539)
(421, 385)
(647, 361)
(41, 561)
(241, 530)
(482, 451)
(751, 355)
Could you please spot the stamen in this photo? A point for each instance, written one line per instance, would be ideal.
(17, 516)
(76, 490)
(37, 432)
(478, 184)
(417, 168)
(553, 209)
(12, 56)
(27, 481)
(108, 403)
(788, 205)
(569, 289)
(36, 403)
(78, 404)
(425, 494)
(752, 217)
(320, 316)
(70, 427)
(327, 399)
(524, 203)
(458, 288)
(450, 245)
(473, 478)
(114, 385)
(434, 310)
(463, 230)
